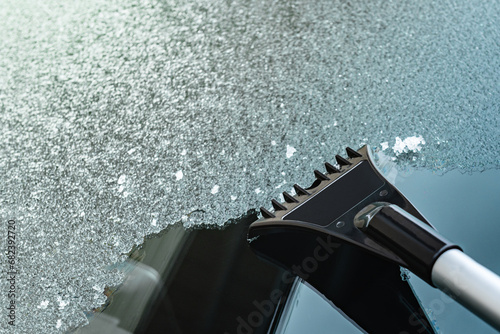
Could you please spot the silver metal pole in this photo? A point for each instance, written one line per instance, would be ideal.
(469, 283)
(433, 258)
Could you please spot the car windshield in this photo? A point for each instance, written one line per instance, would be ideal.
(131, 125)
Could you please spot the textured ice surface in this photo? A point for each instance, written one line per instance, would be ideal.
(121, 117)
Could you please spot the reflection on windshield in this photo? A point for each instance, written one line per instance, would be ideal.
(195, 281)
(308, 312)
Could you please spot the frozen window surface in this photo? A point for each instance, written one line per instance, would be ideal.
(120, 118)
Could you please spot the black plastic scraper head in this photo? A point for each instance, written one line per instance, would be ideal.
(313, 235)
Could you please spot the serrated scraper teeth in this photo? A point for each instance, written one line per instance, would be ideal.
(277, 205)
(266, 214)
(341, 161)
(331, 168)
(320, 176)
(299, 190)
(289, 198)
(352, 153)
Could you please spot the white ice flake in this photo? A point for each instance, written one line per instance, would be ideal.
(233, 198)
(59, 323)
(258, 191)
(43, 305)
(290, 150)
(385, 145)
(62, 303)
(215, 189)
(121, 179)
(179, 175)
(409, 144)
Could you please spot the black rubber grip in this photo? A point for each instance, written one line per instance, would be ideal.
(416, 243)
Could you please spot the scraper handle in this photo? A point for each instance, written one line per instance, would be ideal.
(433, 258)
(471, 284)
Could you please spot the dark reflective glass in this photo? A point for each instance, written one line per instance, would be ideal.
(209, 282)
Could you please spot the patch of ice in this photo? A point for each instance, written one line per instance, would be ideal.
(121, 179)
(179, 175)
(215, 189)
(290, 150)
(43, 305)
(62, 303)
(409, 144)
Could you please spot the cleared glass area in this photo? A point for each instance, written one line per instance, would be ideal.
(307, 311)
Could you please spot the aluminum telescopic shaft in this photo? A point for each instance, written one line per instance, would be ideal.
(434, 259)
